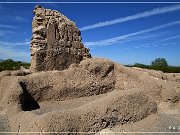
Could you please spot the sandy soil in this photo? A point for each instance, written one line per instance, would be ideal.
(97, 96)
(4, 125)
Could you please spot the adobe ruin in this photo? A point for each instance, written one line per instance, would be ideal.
(56, 41)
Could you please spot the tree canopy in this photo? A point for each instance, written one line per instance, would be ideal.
(159, 62)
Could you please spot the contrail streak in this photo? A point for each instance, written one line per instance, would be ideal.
(155, 11)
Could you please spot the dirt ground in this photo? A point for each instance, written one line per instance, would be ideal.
(96, 96)
(4, 125)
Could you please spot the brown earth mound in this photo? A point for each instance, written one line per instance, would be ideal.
(86, 97)
(94, 116)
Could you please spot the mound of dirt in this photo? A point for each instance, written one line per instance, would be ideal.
(87, 97)
(95, 115)
(153, 123)
(3, 123)
(90, 77)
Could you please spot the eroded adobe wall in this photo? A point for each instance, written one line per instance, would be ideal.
(56, 41)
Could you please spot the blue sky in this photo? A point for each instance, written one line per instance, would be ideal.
(125, 33)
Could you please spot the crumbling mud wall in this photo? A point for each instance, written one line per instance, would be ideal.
(56, 41)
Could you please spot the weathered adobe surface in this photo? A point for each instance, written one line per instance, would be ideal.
(91, 77)
(56, 41)
(85, 97)
(91, 117)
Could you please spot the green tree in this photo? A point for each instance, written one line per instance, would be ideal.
(140, 65)
(159, 62)
(9, 64)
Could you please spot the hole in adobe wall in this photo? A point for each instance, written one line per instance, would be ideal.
(27, 102)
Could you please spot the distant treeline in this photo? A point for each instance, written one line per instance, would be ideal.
(158, 64)
(9, 64)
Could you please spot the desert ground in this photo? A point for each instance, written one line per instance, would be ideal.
(97, 96)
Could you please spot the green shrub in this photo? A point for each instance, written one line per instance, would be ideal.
(9, 64)
(158, 64)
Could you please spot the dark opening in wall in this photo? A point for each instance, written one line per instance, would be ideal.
(27, 102)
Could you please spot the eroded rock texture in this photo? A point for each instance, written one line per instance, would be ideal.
(56, 41)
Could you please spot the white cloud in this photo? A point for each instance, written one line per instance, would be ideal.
(162, 40)
(6, 53)
(152, 12)
(8, 50)
(155, 44)
(141, 37)
(7, 26)
(3, 32)
(125, 37)
(19, 18)
(2, 43)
